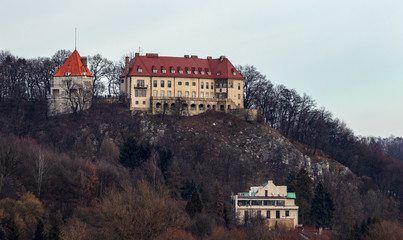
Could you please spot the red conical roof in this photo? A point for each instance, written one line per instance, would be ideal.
(74, 66)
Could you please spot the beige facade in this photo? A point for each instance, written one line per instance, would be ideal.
(184, 92)
(69, 94)
(268, 201)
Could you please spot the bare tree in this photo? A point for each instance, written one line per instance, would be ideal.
(40, 168)
(78, 95)
(99, 67)
(253, 81)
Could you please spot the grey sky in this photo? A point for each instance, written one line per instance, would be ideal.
(346, 54)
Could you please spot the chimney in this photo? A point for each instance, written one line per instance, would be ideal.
(154, 55)
(222, 58)
(186, 56)
(84, 61)
(193, 56)
(137, 54)
(209, 57)
(127, 65)
(56, 69)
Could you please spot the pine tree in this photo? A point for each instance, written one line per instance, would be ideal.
(133, 155)
(322, 207)
(302, 185)
(194, 205)
(39, 231)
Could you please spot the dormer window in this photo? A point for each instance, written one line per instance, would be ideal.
(139, 70)
(209, 73)
(172, 71)
(67, 73)
(195, 72)
(84, 73)
(218, 74)
(189, 72)
(202, 73)
(164, 71)
(181, 71)
(234, 73)
(155, 70)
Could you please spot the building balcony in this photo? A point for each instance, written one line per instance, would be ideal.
(140, 86)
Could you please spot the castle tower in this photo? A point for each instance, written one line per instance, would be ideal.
(71, 88)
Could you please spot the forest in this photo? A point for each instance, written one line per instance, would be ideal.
(99, 175)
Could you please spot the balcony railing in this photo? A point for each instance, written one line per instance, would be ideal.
(140, 86)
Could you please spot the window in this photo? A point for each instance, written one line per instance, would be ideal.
(169, 93)
(259, 214)
(265, 191)
(154, 93)
(202, 73)
(218, 74)
(137, 102)
(243, 203)
(234, 73)
(269, 202)
(193, 107)
(206, 85)
(201, 107)
(164, 71)
(140, 93)
(158, 105)
(155, 71)
(195, 72)
(172, 71)
(155, 83)
(140, 83)
(193, 94)
(202, 85)
(187, 94)
(257, 202)
(212, 95)
(208, 73)
(144, 102)
(268, 213)
(202, 94)
(189, 72)
(181, 71)
(206, 94)
(56, 92)
(277, 214)
(246, 215)
(239, 97)
(162, 83)
(122, 81)
(287, 213)
(179, 93)
(139, 70)
(187, 83)
(239, 86)
(169, 83)
(193, 83)
(179, 83)
(162, 93)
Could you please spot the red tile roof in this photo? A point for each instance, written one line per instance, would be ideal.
(74, 66)
(153, 65)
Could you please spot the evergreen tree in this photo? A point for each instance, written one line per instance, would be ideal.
(2, 234)
(194, 205)
(302, 185)
(322, 207)
(39, 231)
(133, 155)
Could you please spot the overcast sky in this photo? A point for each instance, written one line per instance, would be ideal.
(345, 54)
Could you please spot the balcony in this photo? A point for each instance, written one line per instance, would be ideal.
(140, 86)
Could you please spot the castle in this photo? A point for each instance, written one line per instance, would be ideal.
(181, 85)
(71, 87)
